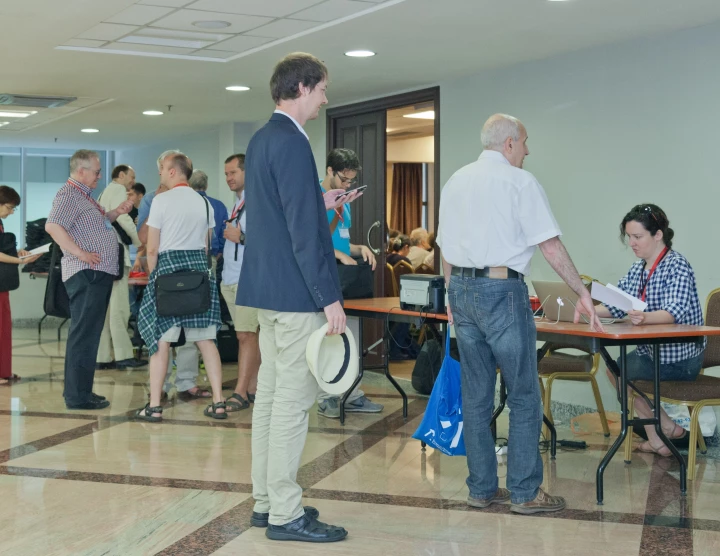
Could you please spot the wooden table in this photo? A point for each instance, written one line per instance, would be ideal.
(623, 335)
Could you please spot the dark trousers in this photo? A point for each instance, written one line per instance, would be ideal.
(89, 292)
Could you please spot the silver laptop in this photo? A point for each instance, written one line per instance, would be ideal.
(558, 300)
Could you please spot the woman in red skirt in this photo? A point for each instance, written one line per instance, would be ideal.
(9, 200)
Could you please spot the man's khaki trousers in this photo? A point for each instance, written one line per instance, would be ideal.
(286, 392)
(115, 344)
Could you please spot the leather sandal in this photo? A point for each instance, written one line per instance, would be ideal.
(199, 394)
(211, 411)
(236, 402)
(146, 414)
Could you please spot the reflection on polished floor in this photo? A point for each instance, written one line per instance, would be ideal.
(97, 483)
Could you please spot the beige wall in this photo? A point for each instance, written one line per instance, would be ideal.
(421, 149)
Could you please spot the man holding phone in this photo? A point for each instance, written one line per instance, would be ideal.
(341, 172)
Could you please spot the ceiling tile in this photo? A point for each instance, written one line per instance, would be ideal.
(147, 48)
(167, 3)
(139, 15)
(241, 43)
(207, 53)
(107, 32)
(184, 19)
(283, 28)
(334, 9)
(270, 8)
(84, 43)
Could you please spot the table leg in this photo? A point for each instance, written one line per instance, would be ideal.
(658, 423)
(346, 395)
(623, 418)
(40, 327)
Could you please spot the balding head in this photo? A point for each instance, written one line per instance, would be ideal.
(507, 135)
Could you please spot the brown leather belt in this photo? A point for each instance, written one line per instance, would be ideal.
(495, 272)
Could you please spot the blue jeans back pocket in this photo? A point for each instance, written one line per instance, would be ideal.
(495, 311)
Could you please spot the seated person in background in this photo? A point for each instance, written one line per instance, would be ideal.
(430, 258)
(400, 249)
(392, 234)
(664, 279)
(419, 246)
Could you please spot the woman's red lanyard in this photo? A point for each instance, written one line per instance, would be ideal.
(340, 216)
(643, 285)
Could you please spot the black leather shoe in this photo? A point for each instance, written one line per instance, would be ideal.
(130, 363)
(305, 529)
(261, 520)
(94, 404)
(97, 397)
(105, 366)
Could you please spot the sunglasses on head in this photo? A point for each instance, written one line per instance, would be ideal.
(647, 209)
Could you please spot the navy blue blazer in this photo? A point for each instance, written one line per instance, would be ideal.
(289, 261)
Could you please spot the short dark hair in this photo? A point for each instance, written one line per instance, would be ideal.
(8, 196)
(652, 218)
(182, 164)
(119, 169)
(138, 188)
(292, 70)
(343, 159)
(240, 157)
(400, 242)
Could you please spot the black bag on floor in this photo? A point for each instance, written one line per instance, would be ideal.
(57, 302)
(428, 363)
(356, 281)
(227, 343)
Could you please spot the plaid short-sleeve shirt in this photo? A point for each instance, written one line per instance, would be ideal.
(85, 221)
(671, 288)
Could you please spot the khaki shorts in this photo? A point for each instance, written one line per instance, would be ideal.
(191, 334)
(245, 319)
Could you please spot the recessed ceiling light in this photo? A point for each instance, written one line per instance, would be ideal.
(427, 115)
(153, 113)
(237, 88)
(359, 53)
(90, 130)
(212, 24)
(16, 114)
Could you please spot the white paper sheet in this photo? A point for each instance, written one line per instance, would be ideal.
(38, 251)
(615, 297)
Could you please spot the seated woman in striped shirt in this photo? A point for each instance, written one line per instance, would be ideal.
(664, 279)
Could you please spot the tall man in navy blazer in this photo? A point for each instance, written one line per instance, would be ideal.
(290, 275)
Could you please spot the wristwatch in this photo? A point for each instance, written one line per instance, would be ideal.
(242, 238)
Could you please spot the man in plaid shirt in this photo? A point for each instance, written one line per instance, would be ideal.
(83, 230)
(664, 279)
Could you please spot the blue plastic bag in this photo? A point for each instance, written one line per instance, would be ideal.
(442, 426)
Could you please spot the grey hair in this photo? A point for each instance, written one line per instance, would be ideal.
(164, 155)
(497, 129)
(81, 159)
(418, 235)
(199, 180)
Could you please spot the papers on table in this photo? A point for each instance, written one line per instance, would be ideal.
(615, 297)
(38, 251)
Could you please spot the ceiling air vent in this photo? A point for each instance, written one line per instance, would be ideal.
(27, 101)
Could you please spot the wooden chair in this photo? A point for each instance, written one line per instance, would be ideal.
(702, 392)
(390, 286)
(424, 269)
(400, 268)
(564, 366)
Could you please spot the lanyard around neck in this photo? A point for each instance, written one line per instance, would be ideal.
(644, 284)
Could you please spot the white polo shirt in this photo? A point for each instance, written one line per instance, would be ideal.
(493, 214)
(183, 218)
(233, 252)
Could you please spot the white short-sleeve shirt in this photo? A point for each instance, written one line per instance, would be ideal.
(181, 217)
(493, 214)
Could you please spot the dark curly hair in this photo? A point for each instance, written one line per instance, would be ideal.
(652, 218)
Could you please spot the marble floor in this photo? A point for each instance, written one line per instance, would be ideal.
(98, 483)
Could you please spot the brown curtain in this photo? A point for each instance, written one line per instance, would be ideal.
(406, 197)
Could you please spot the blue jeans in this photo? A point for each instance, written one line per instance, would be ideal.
(642, 367)
(494, 327)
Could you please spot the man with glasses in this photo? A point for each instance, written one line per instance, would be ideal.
(84, 232)
(341, 173)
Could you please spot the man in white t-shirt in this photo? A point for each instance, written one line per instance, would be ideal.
(245, 319)
(493, 216)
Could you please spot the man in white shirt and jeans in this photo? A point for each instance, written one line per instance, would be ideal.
(493, 215)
